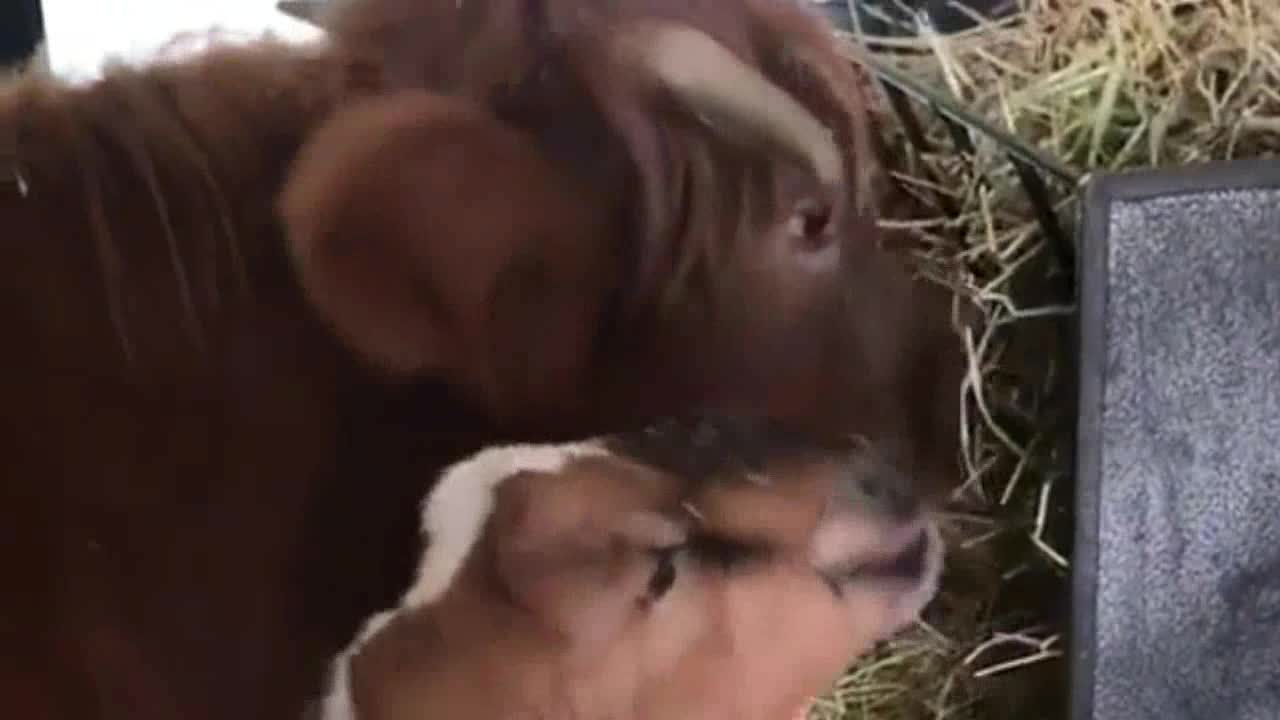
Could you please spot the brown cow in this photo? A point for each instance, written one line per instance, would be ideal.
(720, 160)
(200, 448)
(711, 568)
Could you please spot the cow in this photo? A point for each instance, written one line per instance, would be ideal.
(709, 568)
(253, 302)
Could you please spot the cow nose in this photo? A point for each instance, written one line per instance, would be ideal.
(878, 488)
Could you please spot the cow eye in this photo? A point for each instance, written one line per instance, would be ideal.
(664, 574)
(814, 220)
(811, 226)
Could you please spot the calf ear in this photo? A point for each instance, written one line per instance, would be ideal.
(579, 566)
(408, 216)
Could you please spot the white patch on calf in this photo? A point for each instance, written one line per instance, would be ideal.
(914, 602)
(337, 703)
(454, 514)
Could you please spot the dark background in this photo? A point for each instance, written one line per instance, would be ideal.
(21, 29)
(898, 17)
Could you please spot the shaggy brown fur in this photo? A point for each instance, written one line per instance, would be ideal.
(686, 191)
(171, 410)
(727, 289)
(196, 467)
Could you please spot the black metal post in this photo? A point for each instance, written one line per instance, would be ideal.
(21, 30)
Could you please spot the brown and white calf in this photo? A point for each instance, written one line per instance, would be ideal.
(703, 568)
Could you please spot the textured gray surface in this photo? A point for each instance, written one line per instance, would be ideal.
(1188, 603)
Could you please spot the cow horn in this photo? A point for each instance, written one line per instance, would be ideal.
(708, 77)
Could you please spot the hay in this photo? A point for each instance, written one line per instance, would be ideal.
(1099, 85)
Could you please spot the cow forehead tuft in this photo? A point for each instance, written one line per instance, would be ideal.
(700, 446)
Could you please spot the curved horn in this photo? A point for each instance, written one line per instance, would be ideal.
(708, 77)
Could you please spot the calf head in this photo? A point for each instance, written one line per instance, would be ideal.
(705, 568)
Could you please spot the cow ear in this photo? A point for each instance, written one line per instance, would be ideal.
(344, 213)
(408, 215)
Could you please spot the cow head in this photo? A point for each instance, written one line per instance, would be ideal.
(707, 568)
(601, 212)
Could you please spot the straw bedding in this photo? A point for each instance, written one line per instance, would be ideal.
(1101, 86)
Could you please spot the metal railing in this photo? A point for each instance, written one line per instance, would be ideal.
(1037, 171)
(1030, 164)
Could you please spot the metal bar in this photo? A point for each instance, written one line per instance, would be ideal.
(952, 110)
(901, 106)
(959, 133)
(1025, 159)
(1033, 186)
(1038, 193)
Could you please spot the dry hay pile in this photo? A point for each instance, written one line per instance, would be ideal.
(1099, 85)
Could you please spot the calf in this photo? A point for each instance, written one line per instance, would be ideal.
(709, 568)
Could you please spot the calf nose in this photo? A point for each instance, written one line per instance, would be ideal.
(877, 488)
